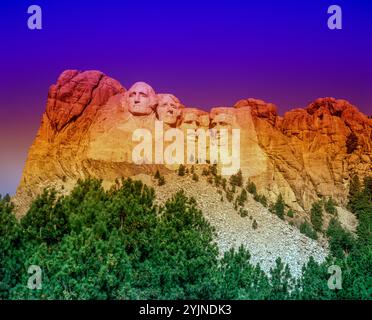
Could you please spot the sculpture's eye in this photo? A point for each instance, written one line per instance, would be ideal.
(132, 94)
(143, 95)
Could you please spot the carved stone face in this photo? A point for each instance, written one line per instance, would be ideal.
(141, 99)
(222, 118)
(190, 121)
(169, 109)
(222, 121)
(204, 120)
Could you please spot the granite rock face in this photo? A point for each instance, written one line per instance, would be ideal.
(308, 148)
(87, 130)
(74, 92)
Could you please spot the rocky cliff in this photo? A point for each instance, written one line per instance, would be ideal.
(314, 151)
(87, 130)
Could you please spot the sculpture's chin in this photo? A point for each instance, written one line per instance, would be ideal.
(188, 127)
(170, 121)
(141, 111)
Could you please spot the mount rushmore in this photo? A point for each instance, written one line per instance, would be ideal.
(87, 130)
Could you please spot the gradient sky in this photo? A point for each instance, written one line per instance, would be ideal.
(208, 53)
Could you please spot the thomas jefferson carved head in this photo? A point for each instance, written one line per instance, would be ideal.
(190, 118)
(141, 99)
(169, 109)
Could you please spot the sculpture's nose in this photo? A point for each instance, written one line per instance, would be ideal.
(137, 98)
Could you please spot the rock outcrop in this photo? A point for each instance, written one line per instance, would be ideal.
(309, 149)
(89, 121)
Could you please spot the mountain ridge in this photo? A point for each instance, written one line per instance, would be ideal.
(304, 155)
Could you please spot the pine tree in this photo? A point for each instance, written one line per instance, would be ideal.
(355, 193)
(281, 281)
(213, 169)
(279, 207)
(368, 187)
(316, 216)
(237, 179)
(181, 170)
(224, 183)
(217, 180)
(161, 181)
(243, 212)
(229, 195)
(261, 199)
(242, 198)
(254, 225)
(290, 213)
(341, 242)
(329, 206)
(251, 188)
(157, 175)
(355, 186)
(6, 198)
(308, 230)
